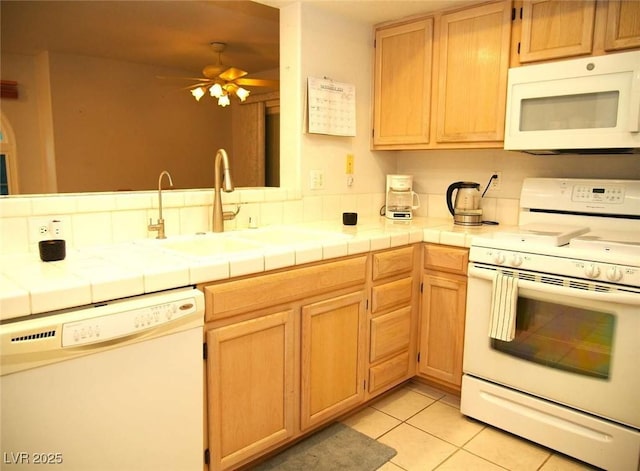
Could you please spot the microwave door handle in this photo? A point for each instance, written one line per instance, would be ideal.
(634, 108)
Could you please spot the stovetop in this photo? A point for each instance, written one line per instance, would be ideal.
(552, 235)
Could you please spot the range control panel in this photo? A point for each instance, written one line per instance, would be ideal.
(121, 324)
(581, 196)
(611, 194)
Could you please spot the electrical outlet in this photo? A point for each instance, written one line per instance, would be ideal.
(496, 183)
(47, 227)
(349, 162)
(38, 229)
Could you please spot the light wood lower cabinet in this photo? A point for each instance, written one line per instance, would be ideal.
(291, 350)
(442, 315)
(251, 387)
(333, 349)
(393, 318)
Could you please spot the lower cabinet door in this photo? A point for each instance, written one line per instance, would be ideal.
(333, 357)
(442, 328)
(251, 387)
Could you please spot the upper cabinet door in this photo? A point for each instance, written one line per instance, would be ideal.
(402, 83)
(472, 73)
(623, 25)
(553, 29)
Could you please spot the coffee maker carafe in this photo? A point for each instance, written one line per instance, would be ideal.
(466, 210)
(401, 200)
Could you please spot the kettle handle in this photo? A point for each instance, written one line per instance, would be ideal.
(453, 186)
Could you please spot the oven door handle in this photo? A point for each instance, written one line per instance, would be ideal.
(618, 297)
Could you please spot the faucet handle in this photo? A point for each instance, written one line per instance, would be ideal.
(229, 215)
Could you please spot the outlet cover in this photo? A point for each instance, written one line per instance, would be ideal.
(496, 183)
(316, 180)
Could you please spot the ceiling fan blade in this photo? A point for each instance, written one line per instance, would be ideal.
(256, 82)
(212, 71)
(232, 74)
(166, 77)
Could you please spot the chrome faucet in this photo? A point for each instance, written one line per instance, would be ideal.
(159, 226)
(225, 182)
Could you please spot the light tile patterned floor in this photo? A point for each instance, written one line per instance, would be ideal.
(426, 428)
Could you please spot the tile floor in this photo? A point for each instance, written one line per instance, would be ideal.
(425, 427)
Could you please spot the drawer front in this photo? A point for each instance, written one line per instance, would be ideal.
(446, 258)
(240, 296)
(395, 369)
(390, 333)
(392, 262)
(391, 294)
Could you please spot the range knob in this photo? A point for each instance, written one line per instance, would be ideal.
(498, 258)
(516, 260)
(614, 274)
(592, 270)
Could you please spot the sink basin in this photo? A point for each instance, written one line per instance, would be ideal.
(204, 245)
(217, 244)
(288, 235)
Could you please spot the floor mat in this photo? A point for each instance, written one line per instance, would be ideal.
(336, 447)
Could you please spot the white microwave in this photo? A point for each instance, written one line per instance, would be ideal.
(589, 105)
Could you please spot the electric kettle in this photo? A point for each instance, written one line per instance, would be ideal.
(466, 209)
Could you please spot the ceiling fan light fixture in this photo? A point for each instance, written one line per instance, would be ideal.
(224, 100)
(216, 90)
(198, 93)
(242, 93)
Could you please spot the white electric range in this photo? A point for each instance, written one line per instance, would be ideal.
(552, 336)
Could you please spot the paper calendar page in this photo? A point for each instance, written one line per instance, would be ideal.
(332, 107)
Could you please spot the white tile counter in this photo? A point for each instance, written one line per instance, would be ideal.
(97, 274)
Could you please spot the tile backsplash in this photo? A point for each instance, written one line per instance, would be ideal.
(103, 218)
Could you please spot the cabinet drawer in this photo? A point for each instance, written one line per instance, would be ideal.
(391, 294)
(390, 333)
(235, 297)
(446, 258)
(392, 262)
(392, 370)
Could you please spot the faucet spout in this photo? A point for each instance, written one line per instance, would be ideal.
(159, 226)
(222, 181)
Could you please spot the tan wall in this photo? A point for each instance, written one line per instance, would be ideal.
(117, 126)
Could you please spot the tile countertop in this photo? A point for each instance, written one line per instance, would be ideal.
(102, 273)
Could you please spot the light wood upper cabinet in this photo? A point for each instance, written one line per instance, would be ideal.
(449, 94)
(559, 29)
(472, 73)
(622, 25)
(402, 83)
(553, 29)
(333, 357)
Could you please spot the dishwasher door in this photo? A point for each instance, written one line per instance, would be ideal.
(114, 387)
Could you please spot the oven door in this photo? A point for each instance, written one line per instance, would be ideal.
(575, 344)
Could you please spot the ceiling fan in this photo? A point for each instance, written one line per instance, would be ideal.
(222, 81)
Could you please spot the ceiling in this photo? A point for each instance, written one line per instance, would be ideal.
(175, 33)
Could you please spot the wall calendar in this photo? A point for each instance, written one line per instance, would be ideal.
(331, 107)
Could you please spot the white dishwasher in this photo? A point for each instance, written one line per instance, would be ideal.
(115, 386)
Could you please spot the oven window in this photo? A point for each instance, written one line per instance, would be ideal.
(582, 111)
(562, 337)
